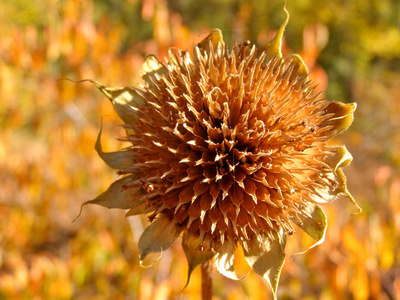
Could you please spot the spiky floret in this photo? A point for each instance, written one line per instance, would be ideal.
(230, 148)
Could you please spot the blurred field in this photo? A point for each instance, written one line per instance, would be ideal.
(49, 166)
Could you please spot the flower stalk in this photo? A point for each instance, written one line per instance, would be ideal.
(206, 280)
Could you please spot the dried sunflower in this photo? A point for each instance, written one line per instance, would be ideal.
(229, 149)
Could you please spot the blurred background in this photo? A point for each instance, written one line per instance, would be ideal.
(48, 130)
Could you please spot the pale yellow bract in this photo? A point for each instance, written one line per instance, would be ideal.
(229, 149)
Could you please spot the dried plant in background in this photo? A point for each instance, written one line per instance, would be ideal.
(230, 148)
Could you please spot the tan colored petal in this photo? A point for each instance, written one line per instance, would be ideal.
(126, 100)
(116, 196)
(139, 210)
(215, 38)
(151, 68)
(314, 224)
(195, 254)
(299, 62)
(224, 261)
(343, 188)
(157, 237)
(342, 117)
(342, 158)
(267, 259)
(117, 160)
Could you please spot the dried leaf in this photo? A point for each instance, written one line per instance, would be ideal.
(224, 262)
(139, 209)
(302, 67)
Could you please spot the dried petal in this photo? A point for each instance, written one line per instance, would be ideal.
(299, 62)
(314, 224)
(224, 262)
(126, 100)
(151, 69)
(116, 196)
(274, 48)
(157, 237)
(215, 39)
(342, 158)
(342, 117)
(195, 253)
(117, 160)
(267, 259)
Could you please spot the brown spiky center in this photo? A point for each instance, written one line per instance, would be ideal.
(230, 144)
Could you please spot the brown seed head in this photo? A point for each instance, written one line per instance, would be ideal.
(229, 147)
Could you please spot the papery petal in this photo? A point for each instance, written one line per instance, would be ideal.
(267, 258)
(342, 117)
(341, 159)
(151, 68)
(195, 254)
(126, 100)
(117, 160)
(314, 224)
(216, 39)
(224, 262)
(299, 62)
(139, 209)
(116, 196)
(157, 237)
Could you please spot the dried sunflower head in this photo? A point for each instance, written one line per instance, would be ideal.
(229, 149)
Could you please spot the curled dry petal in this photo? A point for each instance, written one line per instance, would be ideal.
(274, 47)
(342, 117)
(117, 160)
(342, 158)
(126, 101)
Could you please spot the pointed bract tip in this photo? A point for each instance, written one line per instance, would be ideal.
(274, 47)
